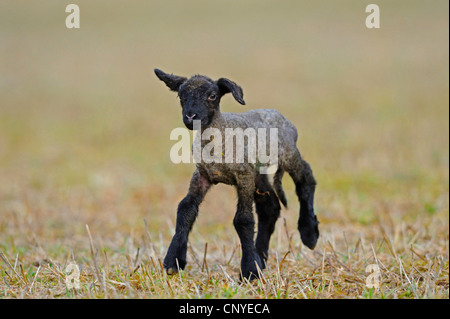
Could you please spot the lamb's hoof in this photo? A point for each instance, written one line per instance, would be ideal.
(173, 265)
(171, 271)
(263, 259)
(309, 232)
(250, 270)
(250, 277)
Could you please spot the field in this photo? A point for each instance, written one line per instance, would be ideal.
(86, 177)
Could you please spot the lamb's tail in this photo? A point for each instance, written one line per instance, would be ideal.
(277, 186)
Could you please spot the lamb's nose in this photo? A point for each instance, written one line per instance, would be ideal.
(191, 118)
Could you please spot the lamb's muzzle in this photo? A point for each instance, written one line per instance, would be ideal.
(200, 100)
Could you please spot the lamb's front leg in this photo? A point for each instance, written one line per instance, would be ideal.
(244, 224)
(186, 215)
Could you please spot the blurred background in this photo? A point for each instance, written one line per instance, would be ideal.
(85, 123)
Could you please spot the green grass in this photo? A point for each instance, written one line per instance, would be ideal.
(84, 140)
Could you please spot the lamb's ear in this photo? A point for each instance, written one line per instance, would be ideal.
(172, 81)
(226, 86)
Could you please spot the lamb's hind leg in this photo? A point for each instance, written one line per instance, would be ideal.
(268, 211)
(305, 186)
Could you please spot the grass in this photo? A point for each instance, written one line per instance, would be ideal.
(84, 147)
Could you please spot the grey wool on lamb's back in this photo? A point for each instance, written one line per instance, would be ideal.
(200, 98)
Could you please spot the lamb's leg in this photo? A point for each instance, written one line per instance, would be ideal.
(186, 214)
(305, 186)
(268, 210)
(244, 224)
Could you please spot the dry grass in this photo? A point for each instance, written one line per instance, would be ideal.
(84, 147)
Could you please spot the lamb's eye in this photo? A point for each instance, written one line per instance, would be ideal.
(212, 97)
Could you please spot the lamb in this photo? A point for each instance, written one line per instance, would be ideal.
(200, 97)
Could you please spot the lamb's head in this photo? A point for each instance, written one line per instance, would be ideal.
(200, 96)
